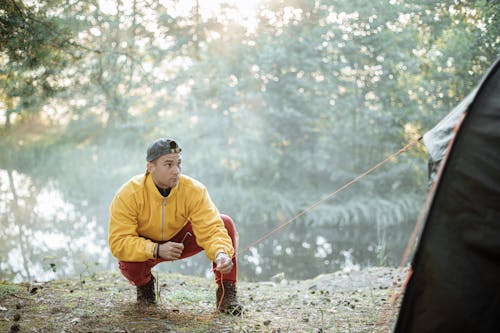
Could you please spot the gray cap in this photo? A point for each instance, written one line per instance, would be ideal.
(162, 147)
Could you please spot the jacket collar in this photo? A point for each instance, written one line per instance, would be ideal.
(153, 191)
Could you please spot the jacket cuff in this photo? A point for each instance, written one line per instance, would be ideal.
(150, 250)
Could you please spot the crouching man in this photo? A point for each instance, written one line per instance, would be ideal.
(163, 215)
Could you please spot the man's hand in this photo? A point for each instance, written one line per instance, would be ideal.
(224, 263)
(170, 250)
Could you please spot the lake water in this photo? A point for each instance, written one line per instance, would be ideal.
(47, 233)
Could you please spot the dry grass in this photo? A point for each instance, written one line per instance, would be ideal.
(106, 303)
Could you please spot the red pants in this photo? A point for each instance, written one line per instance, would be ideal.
(139, 273)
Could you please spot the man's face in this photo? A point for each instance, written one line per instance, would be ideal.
(166, 170)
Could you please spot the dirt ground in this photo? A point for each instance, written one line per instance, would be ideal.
(356, 301)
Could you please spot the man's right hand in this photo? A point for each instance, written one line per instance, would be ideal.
(170, 250)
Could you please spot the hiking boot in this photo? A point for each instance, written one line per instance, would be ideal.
(229, 304)
(146, 293)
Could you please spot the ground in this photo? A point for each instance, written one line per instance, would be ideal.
(356, 301)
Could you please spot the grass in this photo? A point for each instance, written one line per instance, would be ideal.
(106, 303)
(7, 289)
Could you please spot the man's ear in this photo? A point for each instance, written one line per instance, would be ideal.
(150, 167)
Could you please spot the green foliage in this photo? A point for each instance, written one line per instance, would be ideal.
(33, 52)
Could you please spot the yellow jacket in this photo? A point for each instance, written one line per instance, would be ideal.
(141, 216)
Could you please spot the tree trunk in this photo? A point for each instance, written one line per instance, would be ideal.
(16, 213)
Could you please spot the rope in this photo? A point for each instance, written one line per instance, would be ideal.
(331, 195)
(222, 293)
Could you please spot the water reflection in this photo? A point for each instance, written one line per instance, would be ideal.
(42, 235)
(45, 235)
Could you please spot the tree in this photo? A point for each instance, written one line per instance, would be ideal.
(34, 47)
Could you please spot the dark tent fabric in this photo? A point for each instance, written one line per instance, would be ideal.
(455, 285)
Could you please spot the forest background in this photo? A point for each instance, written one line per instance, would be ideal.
(276, 104)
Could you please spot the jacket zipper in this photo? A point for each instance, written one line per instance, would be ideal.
(163, 204)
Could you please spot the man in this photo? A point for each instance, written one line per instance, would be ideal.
(163, 215)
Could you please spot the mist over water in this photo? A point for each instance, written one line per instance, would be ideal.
(55, 219)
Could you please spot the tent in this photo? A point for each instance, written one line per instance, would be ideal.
(437, 139)
(455, 284)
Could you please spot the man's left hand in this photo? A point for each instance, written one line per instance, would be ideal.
(224, 263)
